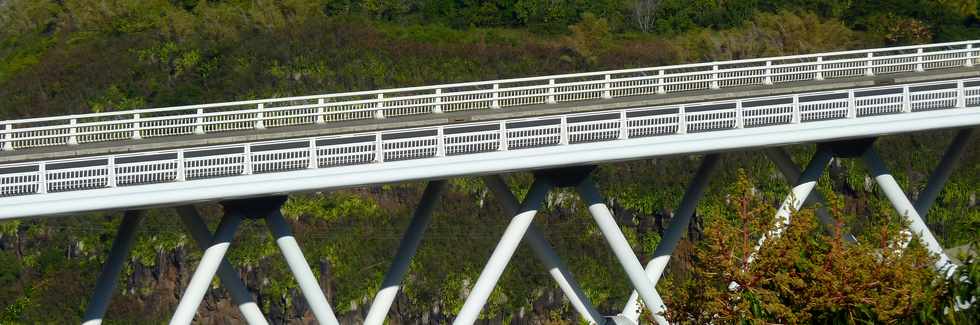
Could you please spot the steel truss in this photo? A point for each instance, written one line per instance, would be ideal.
(521, 228)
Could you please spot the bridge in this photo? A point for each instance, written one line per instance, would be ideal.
(249, 154)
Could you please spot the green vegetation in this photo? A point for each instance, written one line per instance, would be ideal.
(68, 56)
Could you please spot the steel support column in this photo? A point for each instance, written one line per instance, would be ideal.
(226, 273)
(942, 172)
(621, 248)
(301, 270)
(503, 253)
(106, 284)
(546, 254)
(791, 173)
(406, 250)
(904, 207)
(678, 226)
(206, 269)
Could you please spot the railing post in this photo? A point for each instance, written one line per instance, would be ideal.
(563, 131)
(661, 88)
(819, 75)
(313, 156)
(181, 170)
(739, 115)
(714, 78)
(380, 112)
(768, 79)
(110, 174)
(72, 131)
(247, 160)
(918, 60)
(503, 136)
(199, 122)
(870, 72)
(137, 134)
(437, 109)
(551, 92)
(797, 117)
(960, 94)
(440, 142)
(8, 138)
(379, 149)
(321, 110)
(495, 103)
(851, 105)
(906, 100)
(969, 56)
(42, 178)
(624, 128)
(606, 86)
(260, 117)
(681, 120)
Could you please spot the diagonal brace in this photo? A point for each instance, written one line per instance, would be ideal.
(106, 284)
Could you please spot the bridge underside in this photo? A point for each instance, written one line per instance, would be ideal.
(522, 229)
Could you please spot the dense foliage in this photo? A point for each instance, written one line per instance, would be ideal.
(98, 55)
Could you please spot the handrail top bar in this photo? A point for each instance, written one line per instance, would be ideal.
(482, 83)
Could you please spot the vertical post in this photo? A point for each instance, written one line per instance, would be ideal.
(969, 56)
(495, 102)
(906, 100)
(301, 270)
(406, 250)
(379, 113)
(106, 284)
(870, 72)
(379, 148)
(321, 111)
(247, 160)
(768, 78)
(622, 249)
(681, 120)
(606, 86)
(797, 116)
(819, 74)
(181, 169)
(739, 115)
(437, 108)
(72, 131)
(206, 269)
(440, 142)
(896, 195)
(563, 131)
(110, 174)
(678, 226)
(226, 273)
(714, 78)
(960, 94)
(502, 253)
(918, 61)
(551, 92)
(8, 138)
(624, 127)
(851, 104)
(661, 88)
(137, 134)
(313, 156)
(260, 117)
(199, 122)
(42, 178)
(503, 137)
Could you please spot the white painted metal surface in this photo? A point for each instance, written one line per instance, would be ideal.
(320, 109)
(796, 112)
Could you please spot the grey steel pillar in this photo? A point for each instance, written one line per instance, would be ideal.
(941, 174)
(905, 208)
(546, 254)
(301, 270)
(676, 229)
(621, 248)
(106, 284)
(206, 269)
(229, 277)
(406, 250)
(791, 173)
(502, 253)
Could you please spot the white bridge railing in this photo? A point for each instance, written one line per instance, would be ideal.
(480, 137)
(320, 109)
